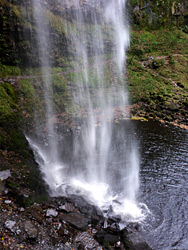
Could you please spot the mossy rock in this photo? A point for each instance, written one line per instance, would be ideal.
(137, 50)
(157, 63)
(8, 104)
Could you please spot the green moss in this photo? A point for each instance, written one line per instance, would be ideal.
(8, 105)
(9, 70)
(56, 22)
(158, 13)
(59, 83)
(26, 88)
(16, 10)
(156, 63)
(159, 78)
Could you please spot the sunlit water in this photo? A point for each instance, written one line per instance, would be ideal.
(104, 172)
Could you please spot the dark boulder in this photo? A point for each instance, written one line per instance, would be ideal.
(76, 220)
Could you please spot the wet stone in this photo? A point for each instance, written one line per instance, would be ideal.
(95, 219)
(76, 220)
(102, 236)
(112, 239)
(137, 241)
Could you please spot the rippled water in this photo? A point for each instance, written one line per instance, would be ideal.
(164, 184)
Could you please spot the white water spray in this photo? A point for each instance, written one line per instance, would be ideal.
(105, 173)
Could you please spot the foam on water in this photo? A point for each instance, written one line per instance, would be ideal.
(101, 195)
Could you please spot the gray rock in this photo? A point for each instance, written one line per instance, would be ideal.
(5, 175)
(18, 231)
(30, 229)
(10, 224)
(112, 239)
(7, 201)
(67, 207)
(76, 220)
(11, 81)
(103, 236)
(138, 242)
(51, 213)
(88, 241)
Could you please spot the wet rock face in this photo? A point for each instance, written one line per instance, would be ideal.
(157, 14)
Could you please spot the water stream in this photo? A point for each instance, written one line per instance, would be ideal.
(99, 170)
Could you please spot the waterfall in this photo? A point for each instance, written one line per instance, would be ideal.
(104, 162)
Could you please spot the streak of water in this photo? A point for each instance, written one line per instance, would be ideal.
(97, 30)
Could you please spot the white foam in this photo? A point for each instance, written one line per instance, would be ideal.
(101, 195)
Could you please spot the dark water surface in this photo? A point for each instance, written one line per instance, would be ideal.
(164, 184)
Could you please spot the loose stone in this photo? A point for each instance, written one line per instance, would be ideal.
(30, 229)
(51, 213)
(5, 175)
(9, 224)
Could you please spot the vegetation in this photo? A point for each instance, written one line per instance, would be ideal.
(158, 73)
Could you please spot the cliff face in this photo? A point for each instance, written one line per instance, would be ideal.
(18, 30)
(158, 13)
(18, 37)
(14, 46)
